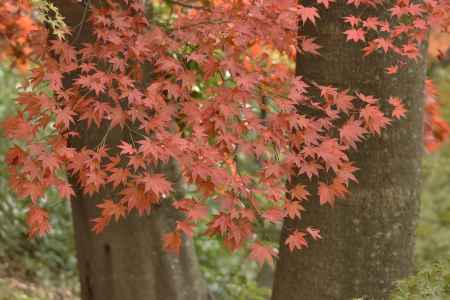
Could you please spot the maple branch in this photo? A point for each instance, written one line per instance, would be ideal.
(209, 22)
(82, 21)
(103, 141)
(187, 5)
(136, 132)
(300, 106)
(259, 220)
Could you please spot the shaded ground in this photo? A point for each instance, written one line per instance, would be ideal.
(14, 285)
(16, 289)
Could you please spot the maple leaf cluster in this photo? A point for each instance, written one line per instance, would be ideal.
(400, 32)
(16, 26)
(437, 129)
(222, 85)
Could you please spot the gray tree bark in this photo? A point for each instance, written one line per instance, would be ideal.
(368, 238)
(127, 260)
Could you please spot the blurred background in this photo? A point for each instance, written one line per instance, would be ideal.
(45, 268)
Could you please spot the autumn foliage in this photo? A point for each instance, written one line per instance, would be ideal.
(16, 26)
(222, 86)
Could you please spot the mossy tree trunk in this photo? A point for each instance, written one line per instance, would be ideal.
(368, 238)
(127, 260)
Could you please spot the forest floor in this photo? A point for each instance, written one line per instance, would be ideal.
(15, 286)
(17, 289)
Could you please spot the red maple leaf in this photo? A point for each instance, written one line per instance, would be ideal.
(186, 227)
(352, 20)
(352, 132)
(296, 240)
(197, 212)
(293, 209)
(118, 176)
(308, 14)
(399, 109)
(299, 192)
(65, 117)
(314, 233)
(326, 194)
(355, 34)
(126, 148)
(344, 101)
(262, 254)
(325, 3)
(37, 220)
(274, 215)
(172, 242)
(157, 184)
(111, 209)
(374, 119)
(392, 70)
(308, 45)
(34, 190)
(65, 190)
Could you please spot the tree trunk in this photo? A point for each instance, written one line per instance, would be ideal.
(127, 260)
(368, 238)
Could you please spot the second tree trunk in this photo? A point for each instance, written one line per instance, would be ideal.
(368, 238)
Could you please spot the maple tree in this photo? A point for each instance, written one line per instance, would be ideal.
(223, 84)
(209, 129)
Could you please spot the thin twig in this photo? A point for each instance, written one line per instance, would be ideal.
(83, 20)
(187, 5)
